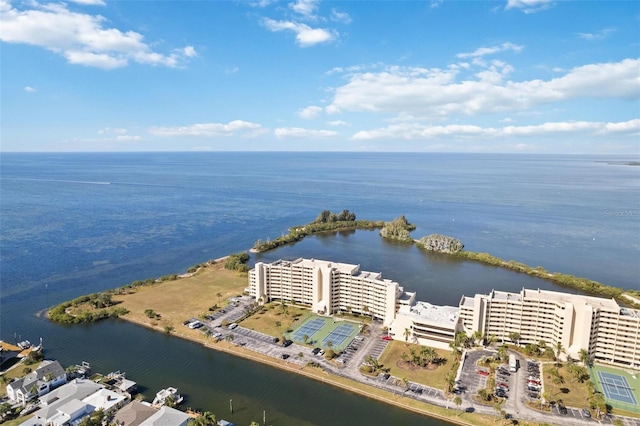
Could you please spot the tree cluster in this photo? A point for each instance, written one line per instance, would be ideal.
(72, 312)
(327, 216)
(237, 262)
(440, 243)
(325, 222)
(398, 229)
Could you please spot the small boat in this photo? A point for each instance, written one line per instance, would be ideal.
(164, 394)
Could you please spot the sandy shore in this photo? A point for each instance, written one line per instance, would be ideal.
(312, 373)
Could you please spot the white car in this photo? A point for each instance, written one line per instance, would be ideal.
(232, 325)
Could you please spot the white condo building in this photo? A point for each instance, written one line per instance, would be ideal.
(426, 324)
(609, 332)
(328, 287)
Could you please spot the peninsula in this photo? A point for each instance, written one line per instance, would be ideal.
(227, 307)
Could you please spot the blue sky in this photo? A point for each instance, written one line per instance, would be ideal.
(533, 76)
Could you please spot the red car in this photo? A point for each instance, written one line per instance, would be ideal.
(483, 373)
(387, 338)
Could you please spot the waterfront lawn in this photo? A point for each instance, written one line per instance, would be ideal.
(16, 372)
(184, 298)
(571, 392)
(266, 320)
(392, 356)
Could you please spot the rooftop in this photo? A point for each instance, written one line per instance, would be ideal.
(441, 315)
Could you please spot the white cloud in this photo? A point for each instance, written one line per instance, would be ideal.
(232, 70)
(29, 89)
(306, 8)
(235, 127)
(300, 133)
(261, 3)
(305, 35)
(415, 131)
(112, 130)
(337, 123)
(483, 51)
(435, 4)
(81, 38)
(529, 6)
(602, 34)
(189, 52)
(310, 112)
(90, 2)
(438, 93)
(338, 16)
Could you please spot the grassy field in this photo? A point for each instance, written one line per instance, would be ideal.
(273, 321)
(572, 393)
(176, 301)
(434, 378)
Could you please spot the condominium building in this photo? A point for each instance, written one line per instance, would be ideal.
(328, 287)
(426, 324)
(609, 332)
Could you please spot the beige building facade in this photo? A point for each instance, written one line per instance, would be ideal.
(426, 324)
(610, 333)
(328, 287)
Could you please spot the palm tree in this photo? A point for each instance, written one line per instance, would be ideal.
(207, 332)
(502, 352)
(229, 339)
(514, 337)
(305, 338)
(545, 398)
(329, 344)
(482, 393)
(477, 336)
(458, 401)
(585, 358)
(558, 380)
(219, 298)
(210, 418)
(559, 349)
(407, 333)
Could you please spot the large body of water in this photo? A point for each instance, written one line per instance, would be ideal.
(78, 223)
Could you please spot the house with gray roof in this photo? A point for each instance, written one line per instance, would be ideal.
(133, 414)
(167, 416)
(47, 376)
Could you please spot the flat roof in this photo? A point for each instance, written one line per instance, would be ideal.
(424, 311)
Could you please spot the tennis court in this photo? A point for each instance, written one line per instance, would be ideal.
(320, 331)
(308, 329)
(616, 387)
(621, 388)
(338, 335)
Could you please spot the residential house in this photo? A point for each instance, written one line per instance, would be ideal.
(47, 376)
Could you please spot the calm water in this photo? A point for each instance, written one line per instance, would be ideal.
(78, 223)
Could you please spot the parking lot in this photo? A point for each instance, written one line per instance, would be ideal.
(471, 379)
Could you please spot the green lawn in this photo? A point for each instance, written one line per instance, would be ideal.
(433, 378)
(572, 393)
(273, 321)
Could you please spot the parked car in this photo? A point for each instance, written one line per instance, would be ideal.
(287, 343)
(232, 326)
(315, 351)
(586, 413)
(284, 356)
